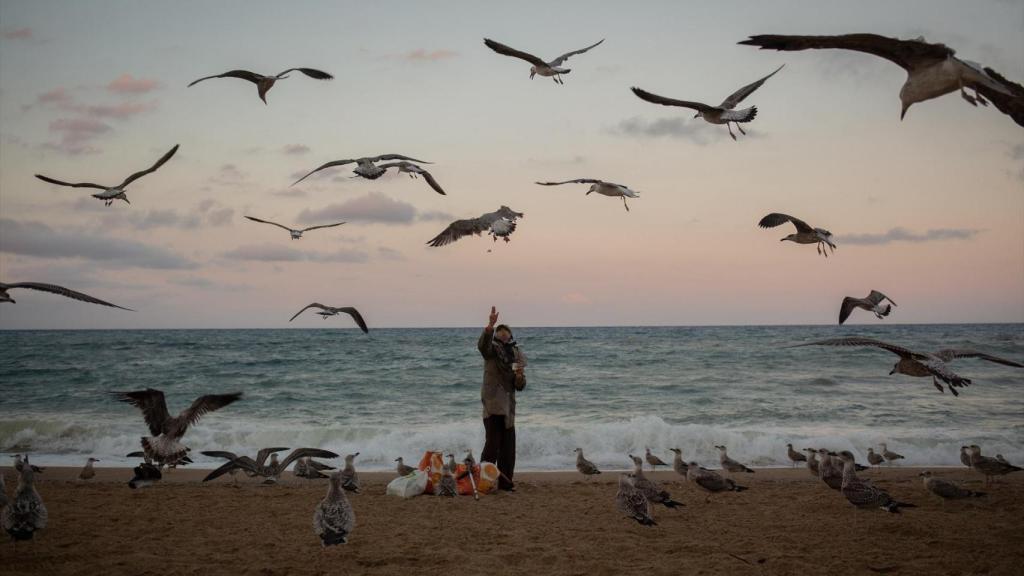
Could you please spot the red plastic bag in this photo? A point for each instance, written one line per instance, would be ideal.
(431, 463)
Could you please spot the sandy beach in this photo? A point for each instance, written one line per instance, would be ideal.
(555, 523)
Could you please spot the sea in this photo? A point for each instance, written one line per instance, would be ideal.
(610, 391)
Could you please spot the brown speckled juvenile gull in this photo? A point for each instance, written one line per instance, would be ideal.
(872, 303)
(334, 519)
(585, 467)
(990, 467)
(805, 234)
(729, 464)
(25, 513)
(447, 486)
(863, 494)
(650, 489)
(711, 481)
(945, 489)
(632, 502)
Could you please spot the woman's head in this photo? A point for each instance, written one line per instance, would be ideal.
(503, 333)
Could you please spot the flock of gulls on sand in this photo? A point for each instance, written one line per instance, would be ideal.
(932, 71)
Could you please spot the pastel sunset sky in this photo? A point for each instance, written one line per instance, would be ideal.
(929, 210)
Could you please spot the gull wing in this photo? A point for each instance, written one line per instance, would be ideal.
(254, 219)
(846, 308)
(243, 462)
(416, 170)
(576, 181)
(303, 453)
(72, 185)
(856, 341)
(262, 455)
(1011, 105)
(322, 226)
(62, 291)
(876, 297)
(355, 316)
(313, 305)
(509, 51)
(655, 99)
(152, 404)
(738, 96)
(949, 355)
(775, 219)
(311, 72)
(460, 228)
(151, 169)
(384, 157)
(324, 167)
(243, 74)
(567, 55)
(907, 54)
(206, 404)
(215, 454)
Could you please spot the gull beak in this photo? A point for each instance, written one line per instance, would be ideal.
(697, 115)
(903, 112)
(891, 372)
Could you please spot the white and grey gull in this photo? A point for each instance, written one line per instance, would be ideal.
(368, 168)
(552, 69)
(805, 234)
(499, 224)
(111, 193)
(265, 83)
(296, 233)
(328, 311)
(601, 187)
(872, 303)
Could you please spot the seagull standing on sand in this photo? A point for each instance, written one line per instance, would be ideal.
(52, 289)
(812, 462)
(830, 472)
(920, 364)
(333, 518)
(164, 446)
(677, 463)
(601, 187)
(25, 514)
(864, 494)
(296, 233)
(730, 464)
(945, 489)
(804, 233)
(265, 83)
(889, 455)
(447, 486)
(552, 69)
(990, 467)
(965, 456)
(402, 468)
(499, 224)
(873, 303)
(724, 113)
(933, 70)
(584, 466)
(874, 458)
(366, 167)
(711, 481)
(111, 193)
(87, 472)
(632, 502)
(653, 460)
(649, 488)
(349, 478)
(327, 311)
(794, 456)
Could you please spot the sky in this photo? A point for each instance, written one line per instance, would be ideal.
(929, 210)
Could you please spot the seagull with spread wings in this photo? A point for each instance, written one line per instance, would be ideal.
(499, 224)
(111, 193)
(804, 233)
(933, 70)
(259, 466)
(164, 445)
(601, 187)
(52, 289)
(724, 113)
(265, 83)
(296, 233)
(414, 171)
(921, 364)
(873, 303)
(327, 311)
(552, 69)
(366, 167)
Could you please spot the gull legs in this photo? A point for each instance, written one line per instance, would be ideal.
(624, 203)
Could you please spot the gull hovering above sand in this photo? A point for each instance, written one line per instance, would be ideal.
(804, 233)
(265, 83)
(601, 187)
(499, 224)
(111, 193)
(164, 446)
(52, 289)
(920, 364)
(552, 69)
(296, 233)
(366, 167)
(873, 303)
(327, 311)
(724, 113)
(334, 518)
(933, 70)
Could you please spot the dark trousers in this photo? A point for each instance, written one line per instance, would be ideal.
(500, 448)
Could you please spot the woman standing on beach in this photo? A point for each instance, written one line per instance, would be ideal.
(503, 376)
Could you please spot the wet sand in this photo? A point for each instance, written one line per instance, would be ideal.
(555, 523)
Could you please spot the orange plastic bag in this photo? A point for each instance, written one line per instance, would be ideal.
(462, 483)
(432, 463)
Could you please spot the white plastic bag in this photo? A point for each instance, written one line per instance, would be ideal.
(408, 486)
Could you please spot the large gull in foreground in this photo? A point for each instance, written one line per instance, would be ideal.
(111, 193)
(265, 83)
(52, 289)
(333, 518)
(25, 514)
(551, 69)
(499, 224)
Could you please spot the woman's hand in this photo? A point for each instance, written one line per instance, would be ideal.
(493, 319)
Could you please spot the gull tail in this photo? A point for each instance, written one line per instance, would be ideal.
(670, 503)
(332, 538)
(646, 521)
(738, 488)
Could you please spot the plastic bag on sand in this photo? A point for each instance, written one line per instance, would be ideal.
(433, 464)
(408, 486)
(485, 475)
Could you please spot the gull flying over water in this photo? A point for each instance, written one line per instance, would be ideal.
(724, 113)
(552, 69)
(333, 518)
(873, 303)
(499, 224)
(265, 83)
(327, 311)
(164, 446)
(933, 70)
(52, 289)
(804, 233)
(111, 193)
(296, 233)
(601, 187)
(920, 364)
(367, 167)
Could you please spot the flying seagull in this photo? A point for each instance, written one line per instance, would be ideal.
(933, 70)
(326, 311)
(804, 233)
(601, 187)
(552, 69)
(164, 446)
(414, 171)
(296, 233)
(873, 303)
(921, 364)
(724, 113)
(111, 193)
(367, 167)
(500, 223)
(265, 83)
(52, 289)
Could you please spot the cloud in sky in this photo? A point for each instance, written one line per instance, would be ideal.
(280, 253)
(904, 235)
(120, 111)
(18, 34)
(422, 55)
(373, 207)
(295, 149)
(206, 213)
(39, 240)
(664, 127)
(76, 133)
(128, 84)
